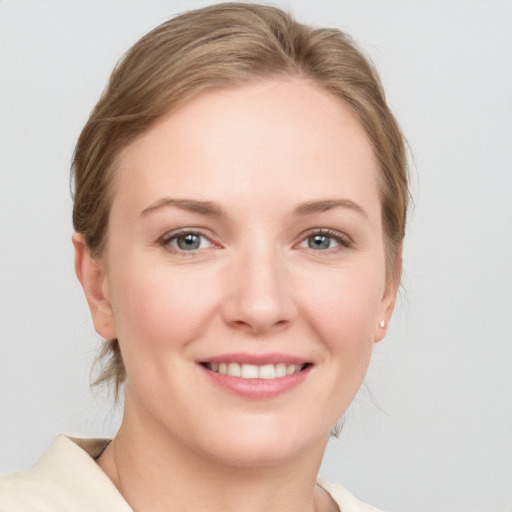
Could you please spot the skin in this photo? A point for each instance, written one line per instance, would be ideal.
(259, 153)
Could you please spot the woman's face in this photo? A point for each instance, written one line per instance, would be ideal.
(245, 237)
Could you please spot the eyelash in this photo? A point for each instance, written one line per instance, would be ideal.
(344, 242)
(166, 240)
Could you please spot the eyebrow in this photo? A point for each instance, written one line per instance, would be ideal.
(202, 207)
(311, 207)
(210, 208)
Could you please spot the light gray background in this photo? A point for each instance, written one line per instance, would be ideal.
(435, 431)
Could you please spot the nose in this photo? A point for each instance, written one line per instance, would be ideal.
(260, 298)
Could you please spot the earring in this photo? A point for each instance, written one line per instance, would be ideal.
(382, 324)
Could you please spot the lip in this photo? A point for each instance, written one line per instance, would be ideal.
(257, 389)
(257, 359)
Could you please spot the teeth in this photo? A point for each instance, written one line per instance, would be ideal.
(281, 369)
(267, 372)
(251, 371)
(234, 369)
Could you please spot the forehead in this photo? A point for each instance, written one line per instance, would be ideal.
(282, 139)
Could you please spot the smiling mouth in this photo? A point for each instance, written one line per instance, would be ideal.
(252, 371)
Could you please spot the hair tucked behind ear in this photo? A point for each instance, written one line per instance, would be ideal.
(223, 45)
(112, 370)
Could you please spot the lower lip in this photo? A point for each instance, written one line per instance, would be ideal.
(257, 388)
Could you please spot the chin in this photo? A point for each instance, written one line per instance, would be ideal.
(265, 445)
(256, 456)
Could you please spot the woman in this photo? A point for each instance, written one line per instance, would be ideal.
(240, 204)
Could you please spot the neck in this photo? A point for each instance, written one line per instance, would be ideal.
(153, 471)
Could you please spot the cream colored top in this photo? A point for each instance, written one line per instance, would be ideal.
(66, 478)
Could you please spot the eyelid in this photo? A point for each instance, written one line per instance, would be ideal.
(165, 239)
(345, 241)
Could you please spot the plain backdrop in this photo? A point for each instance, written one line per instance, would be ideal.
(432, 429)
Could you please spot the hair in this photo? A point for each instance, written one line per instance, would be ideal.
(220, 46)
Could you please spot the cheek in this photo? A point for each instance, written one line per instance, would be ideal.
(345, 310)
(342, 317)
(161, 309)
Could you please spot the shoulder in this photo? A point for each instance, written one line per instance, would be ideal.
(23, 492)
(65, 478)
(345, 500)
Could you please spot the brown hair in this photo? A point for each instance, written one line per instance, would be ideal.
(222, 45)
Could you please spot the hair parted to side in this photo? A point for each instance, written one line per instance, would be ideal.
(218, 46)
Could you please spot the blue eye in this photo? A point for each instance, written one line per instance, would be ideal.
(321, 242)
(186, 241)
(324, 240)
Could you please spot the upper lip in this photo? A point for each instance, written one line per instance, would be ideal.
(256, 359)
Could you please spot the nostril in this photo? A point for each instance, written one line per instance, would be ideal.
(260, 326)
(255, 308)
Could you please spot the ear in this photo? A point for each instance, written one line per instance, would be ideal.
(94, 281)
(388, 301)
